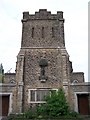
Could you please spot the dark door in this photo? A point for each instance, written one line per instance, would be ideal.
(83, 104)
(4, 105)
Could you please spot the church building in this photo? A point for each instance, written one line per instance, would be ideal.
(42, 65)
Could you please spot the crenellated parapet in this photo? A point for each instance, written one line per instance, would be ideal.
(43, 29)
(43, 14)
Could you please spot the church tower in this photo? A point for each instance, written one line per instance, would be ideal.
(43, 62)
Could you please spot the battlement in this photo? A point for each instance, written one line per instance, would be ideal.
(43, 29)
(42, 14)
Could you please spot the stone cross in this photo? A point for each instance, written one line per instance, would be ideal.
(43, 63)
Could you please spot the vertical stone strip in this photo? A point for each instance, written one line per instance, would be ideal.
(0, 100)
(66, 75)
(88, 41)
(19, 80)
(64, 69)
(1, 81)
(62, 33)
(89, 48)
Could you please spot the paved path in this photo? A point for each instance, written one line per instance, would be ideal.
(0, 117)
(3, 118)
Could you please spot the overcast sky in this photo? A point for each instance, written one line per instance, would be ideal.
(76, 29)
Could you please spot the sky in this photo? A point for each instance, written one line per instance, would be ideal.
(76, 29)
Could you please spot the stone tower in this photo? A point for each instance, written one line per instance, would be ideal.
(43, 62)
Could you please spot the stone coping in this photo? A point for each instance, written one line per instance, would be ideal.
(80, 84)
(7, 85)
(76, 84)
(10, 73)
(58, 47)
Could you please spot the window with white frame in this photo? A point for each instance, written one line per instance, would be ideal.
(38, 95)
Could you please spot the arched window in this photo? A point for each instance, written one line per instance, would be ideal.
(12, 81)
(75, 81)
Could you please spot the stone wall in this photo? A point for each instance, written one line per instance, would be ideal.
(9, 78)
(28, 71)
(78, 88)
(32, 69)
(52, 34)
(78, 76)
(43, 38)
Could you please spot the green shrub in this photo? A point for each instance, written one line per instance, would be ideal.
(16, 117)
(30, 114)
(73, 114)
(11, 116)
(56, 105)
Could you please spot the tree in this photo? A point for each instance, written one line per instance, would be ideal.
(56, 105)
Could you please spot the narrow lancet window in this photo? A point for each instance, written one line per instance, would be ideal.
(42, 32)
(32, 32)
(53, 35)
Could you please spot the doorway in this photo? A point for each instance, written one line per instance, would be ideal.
(83, 104)
(4, 105)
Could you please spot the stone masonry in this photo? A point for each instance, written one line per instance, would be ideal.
(43, 61)
(42, 38)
